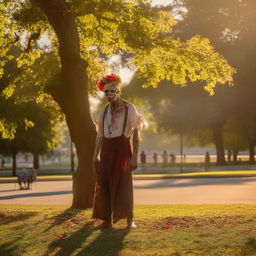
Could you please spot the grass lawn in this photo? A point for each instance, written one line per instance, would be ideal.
(206, 174)
(206, 230)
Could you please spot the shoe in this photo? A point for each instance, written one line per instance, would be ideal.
(104, 224)
(131, 225)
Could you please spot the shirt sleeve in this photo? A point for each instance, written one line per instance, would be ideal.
(134, 117)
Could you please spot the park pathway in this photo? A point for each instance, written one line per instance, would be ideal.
(146, 192)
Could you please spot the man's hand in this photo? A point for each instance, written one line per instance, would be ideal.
(95, 165)
(133, 164)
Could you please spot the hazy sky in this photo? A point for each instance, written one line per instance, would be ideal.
(161, 2)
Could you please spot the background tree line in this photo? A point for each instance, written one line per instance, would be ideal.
(227, 119)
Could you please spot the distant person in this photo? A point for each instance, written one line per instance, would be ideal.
(26, 157)
(165, 158)
(2, 163)
(155, 158)
(229, 156)
(172, 159)
(207, 160)
(184, 158)
(143, 158)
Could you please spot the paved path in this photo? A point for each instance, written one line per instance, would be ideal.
(146, 192)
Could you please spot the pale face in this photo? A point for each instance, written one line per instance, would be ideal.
(111, 92)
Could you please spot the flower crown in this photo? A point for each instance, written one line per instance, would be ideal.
(113, 78)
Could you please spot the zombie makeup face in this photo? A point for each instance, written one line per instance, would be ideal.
(111, 91)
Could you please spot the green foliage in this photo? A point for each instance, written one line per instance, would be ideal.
(236, 135)
(133, 28)
(29, 118)
(195, 60)
(7, 129)
(40, 131)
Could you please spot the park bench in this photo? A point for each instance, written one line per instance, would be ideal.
(27, 178)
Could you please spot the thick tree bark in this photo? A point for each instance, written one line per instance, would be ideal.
(251, 152)
(36, 161)
(72, 95)
(218, 141)
(14, 162)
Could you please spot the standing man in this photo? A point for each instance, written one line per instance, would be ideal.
(207, 160)
(118, 121)
(165, 158)
(143, 158)
(155, 158)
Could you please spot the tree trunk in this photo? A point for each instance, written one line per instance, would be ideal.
(251, 152)
(71, 93)
(218, 141)
(14, 163)
(36, 161)
(229, 156)
(235, 153)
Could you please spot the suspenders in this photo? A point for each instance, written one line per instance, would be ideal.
(125, 119)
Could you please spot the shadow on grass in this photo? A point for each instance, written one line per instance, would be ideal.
(108, 242)
(9, 248)
(63, 217)
(6, 219)
(249, 248)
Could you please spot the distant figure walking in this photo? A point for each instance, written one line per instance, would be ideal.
(229, 156)
(155, 158)
(2, 163)
(207, 160)
(143, 158)
(184, 158)
(172, 159)
(165, 158)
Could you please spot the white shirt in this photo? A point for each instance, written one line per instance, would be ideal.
(113, 127)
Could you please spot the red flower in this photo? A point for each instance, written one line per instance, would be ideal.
(108, 79)
(167, 226)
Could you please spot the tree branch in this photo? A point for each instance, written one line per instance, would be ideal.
(34, 36)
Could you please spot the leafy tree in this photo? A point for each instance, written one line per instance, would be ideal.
(33, 119)
(234, 139)
(81, 32)
(230, 27)
(185, 109)
(39, 134)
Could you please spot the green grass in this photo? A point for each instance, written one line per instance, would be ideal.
(209, 174)
(199, 174)
(206, 230)
(57, 165)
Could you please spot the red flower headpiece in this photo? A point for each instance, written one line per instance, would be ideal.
(113, 78)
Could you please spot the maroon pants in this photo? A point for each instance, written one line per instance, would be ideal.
(114, 189)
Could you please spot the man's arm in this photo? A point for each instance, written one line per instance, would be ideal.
(99, 139)
(135, 144)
